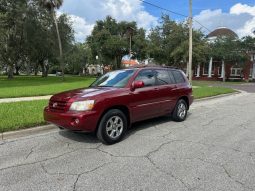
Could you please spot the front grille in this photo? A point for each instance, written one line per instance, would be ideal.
(57, 106)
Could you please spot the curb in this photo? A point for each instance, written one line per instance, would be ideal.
(27, 132)
(219, 96)
(18, 99)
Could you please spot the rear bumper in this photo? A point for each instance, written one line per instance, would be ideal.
(76, 121)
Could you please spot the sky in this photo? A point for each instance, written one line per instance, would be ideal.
(238, 15)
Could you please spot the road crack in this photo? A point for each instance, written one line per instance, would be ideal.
(31, 151)
(87, 172)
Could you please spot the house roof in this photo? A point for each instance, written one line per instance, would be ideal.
(221, 32)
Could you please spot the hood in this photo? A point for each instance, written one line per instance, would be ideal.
(81, 93)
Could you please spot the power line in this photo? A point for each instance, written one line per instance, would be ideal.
(176, 13)
(163, 8)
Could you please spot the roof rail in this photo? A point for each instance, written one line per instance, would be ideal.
(152, 66)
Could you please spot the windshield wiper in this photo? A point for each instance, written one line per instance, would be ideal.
(104, 86)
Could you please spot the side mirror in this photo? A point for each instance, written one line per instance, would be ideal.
(137, 84)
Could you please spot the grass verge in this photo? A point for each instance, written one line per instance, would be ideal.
(25, 86)
(207, 91)
(20, 115)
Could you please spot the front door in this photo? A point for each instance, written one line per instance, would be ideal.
(145, 101)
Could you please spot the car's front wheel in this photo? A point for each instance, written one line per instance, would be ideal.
(180, 111)
(112, 126)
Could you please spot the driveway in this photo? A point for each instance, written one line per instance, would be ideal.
(214, 149)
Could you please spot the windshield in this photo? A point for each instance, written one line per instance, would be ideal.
(117, 78)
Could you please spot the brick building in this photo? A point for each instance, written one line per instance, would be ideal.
(214, 69)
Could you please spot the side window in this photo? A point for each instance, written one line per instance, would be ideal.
(162, 77)
(178, 77)
(172, 80)
(147, 76)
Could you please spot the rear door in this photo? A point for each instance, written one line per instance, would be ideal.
(166, 88)
(181, 83)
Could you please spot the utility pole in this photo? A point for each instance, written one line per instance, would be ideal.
(190, 42)
(130, 31)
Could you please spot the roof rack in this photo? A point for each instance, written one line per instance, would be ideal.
(152, 66)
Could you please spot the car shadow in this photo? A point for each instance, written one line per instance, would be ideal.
(82, 137)
(85, 137)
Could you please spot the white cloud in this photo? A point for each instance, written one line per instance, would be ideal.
(242, 8)
(240, 18)
(85, 12)
(249, 26)
(81, 27)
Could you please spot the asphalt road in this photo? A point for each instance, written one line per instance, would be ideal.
(214, 149)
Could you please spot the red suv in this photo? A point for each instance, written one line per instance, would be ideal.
(119, 98)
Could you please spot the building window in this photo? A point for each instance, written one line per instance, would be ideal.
(219, 71)
(195, 71)
(236, 71)
(205, 69)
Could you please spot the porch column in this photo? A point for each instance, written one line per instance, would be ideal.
(210, 68)
(253, 70)
(198, 70)
(223, 70)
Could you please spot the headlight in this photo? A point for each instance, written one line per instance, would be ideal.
(82, 105)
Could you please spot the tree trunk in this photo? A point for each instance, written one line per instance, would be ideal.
(17, 70)
(43, 68)
(36, 69)
(59, 44)
(10, 71)
(46, 70)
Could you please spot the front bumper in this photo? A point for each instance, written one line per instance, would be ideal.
(76, 121)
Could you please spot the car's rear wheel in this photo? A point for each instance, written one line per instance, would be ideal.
(112, 126)
(180, 111)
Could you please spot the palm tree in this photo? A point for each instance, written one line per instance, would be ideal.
(51, 5)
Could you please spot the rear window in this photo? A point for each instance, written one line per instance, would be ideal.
(178, 76)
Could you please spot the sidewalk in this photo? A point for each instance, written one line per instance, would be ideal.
(9, 100)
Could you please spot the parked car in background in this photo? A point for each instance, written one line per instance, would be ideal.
(58, 73)
(119, 98)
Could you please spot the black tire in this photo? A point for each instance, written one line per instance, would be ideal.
(114, 129)
(181, 106)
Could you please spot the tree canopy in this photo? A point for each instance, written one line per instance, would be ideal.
(28, 36)
(33, 38)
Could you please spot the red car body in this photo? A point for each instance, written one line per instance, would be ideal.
(137, 104)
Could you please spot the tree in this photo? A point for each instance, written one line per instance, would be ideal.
(27, 36)
(12, 18)
(77, 58)
(51, 5)
(109, 41)
(169, 43)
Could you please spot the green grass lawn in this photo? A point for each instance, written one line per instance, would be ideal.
(19, 115)
(202, 89)
(203, 83)
(22, 86)
(207, 91)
